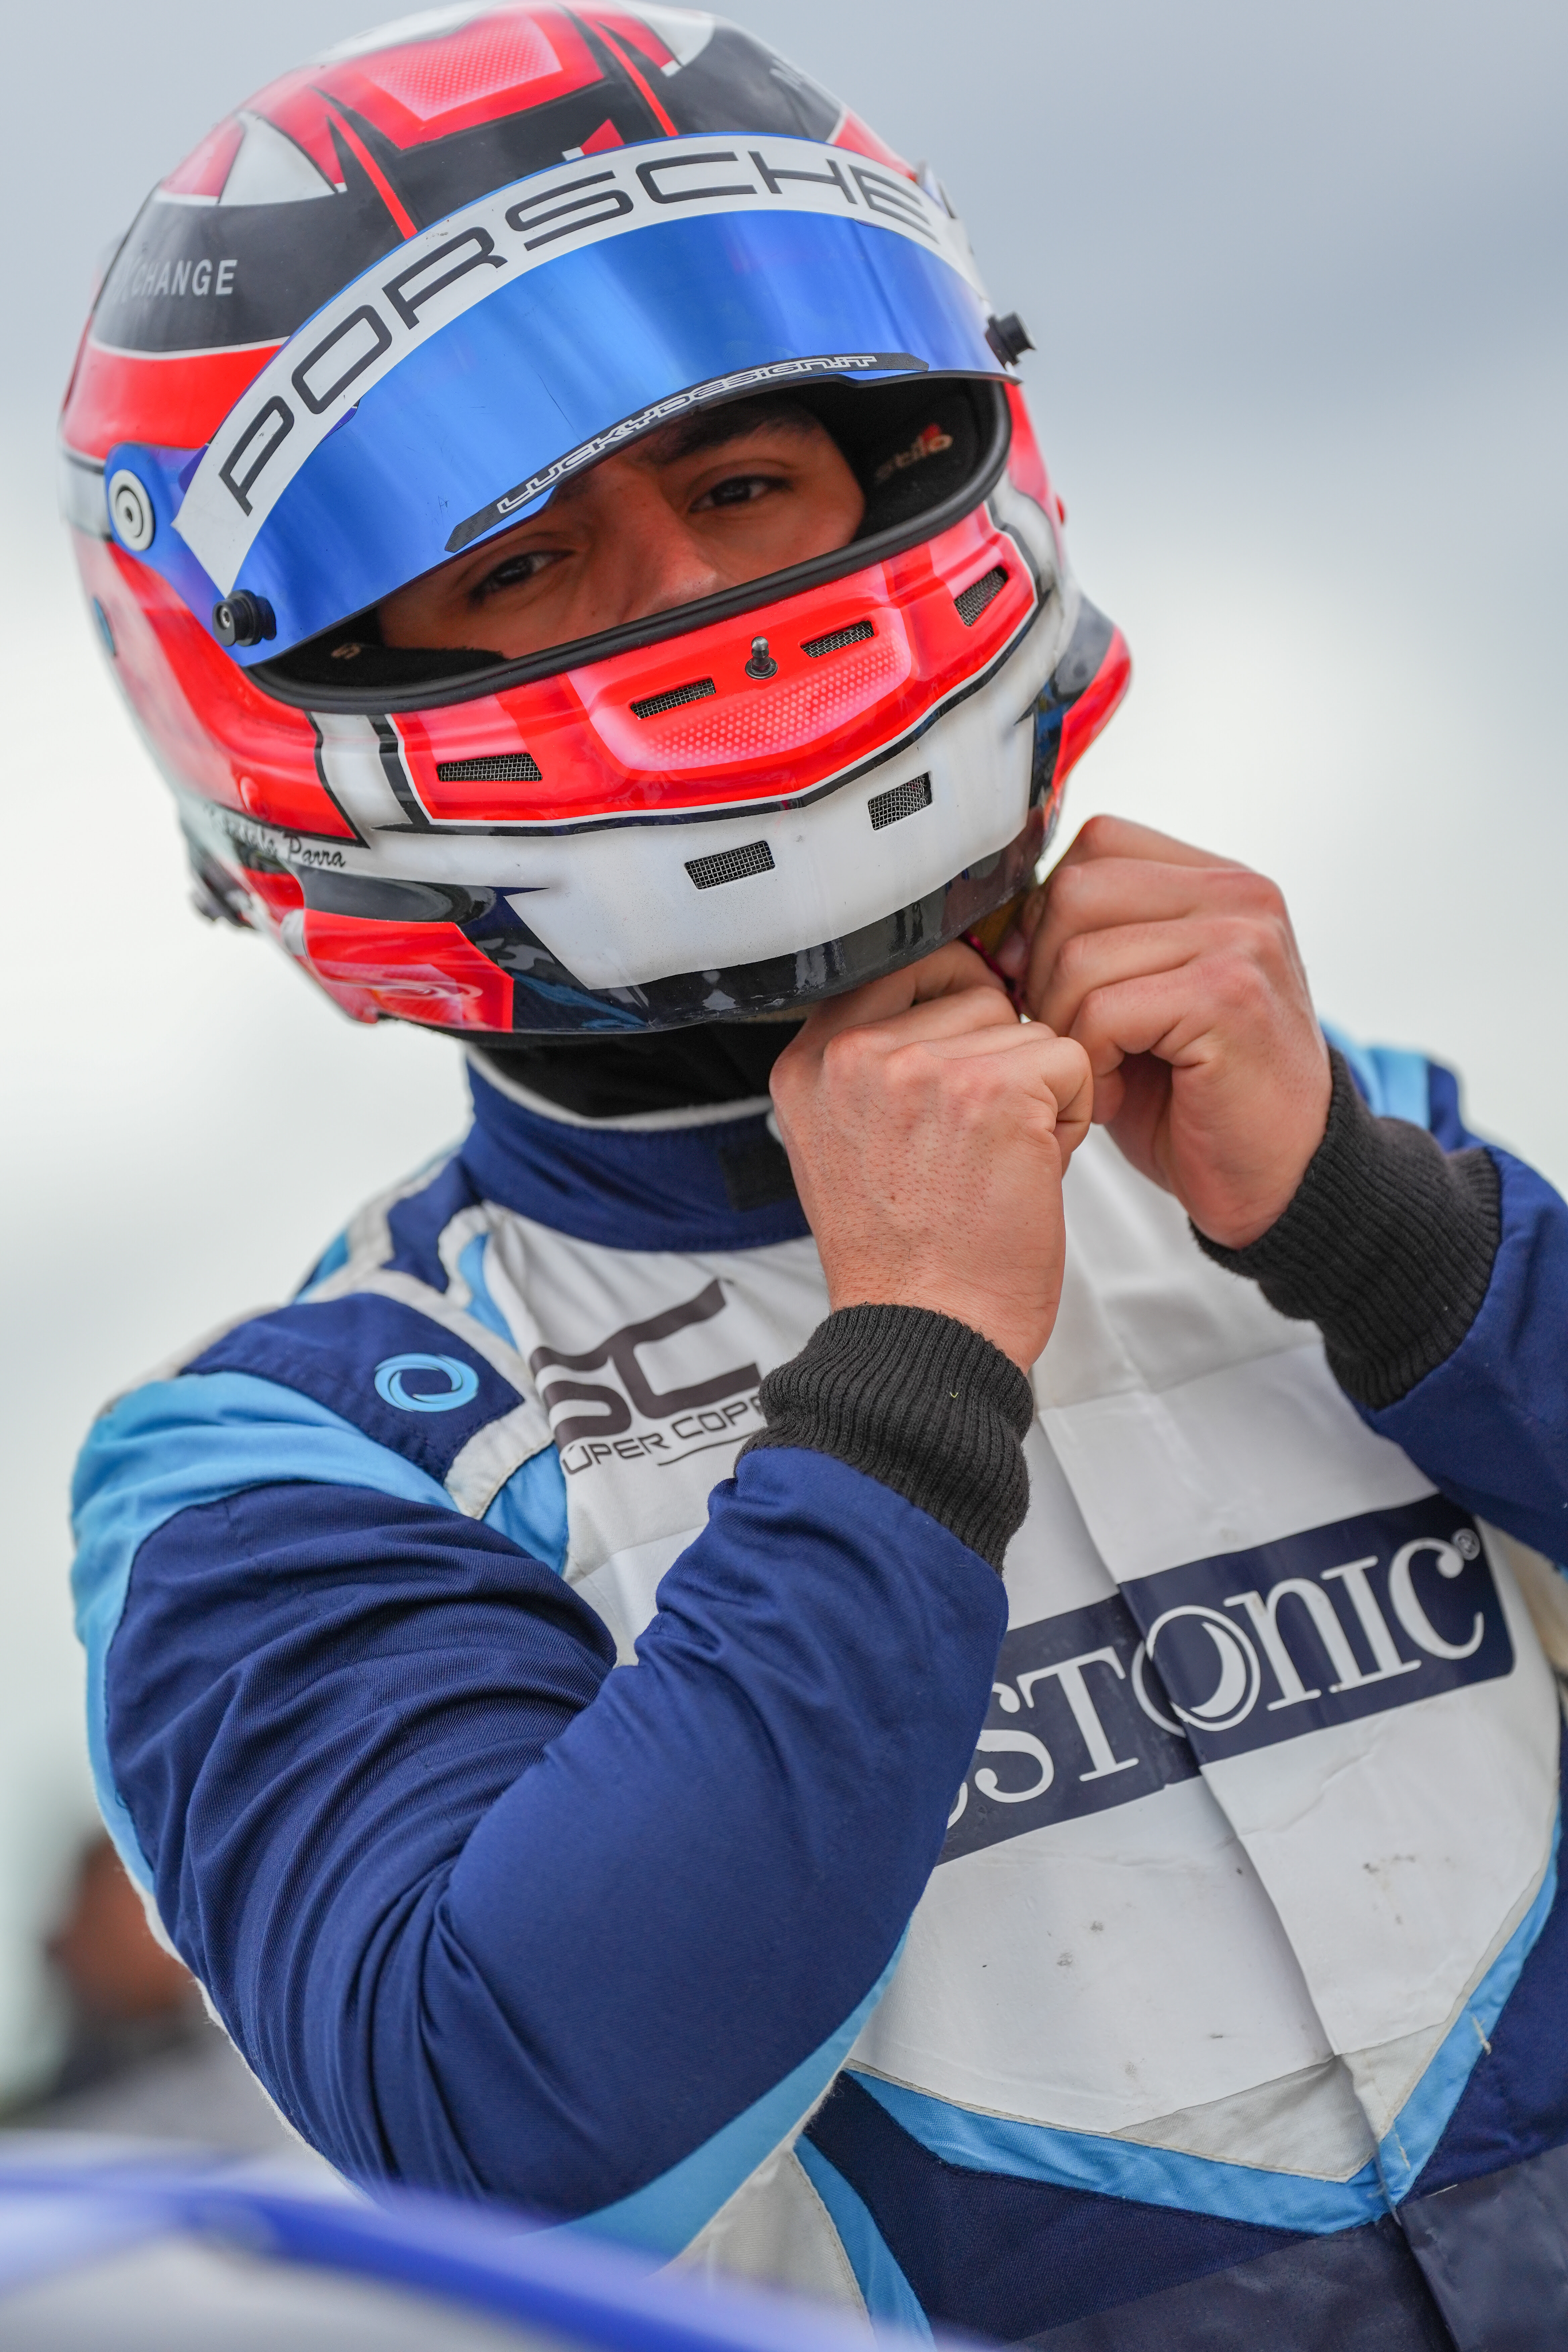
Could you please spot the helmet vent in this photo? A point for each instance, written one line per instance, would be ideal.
(903, 800)
(822, 697)
(652, 704)
(972, 601)
(837, 639)
(491, 768)
(729, 865)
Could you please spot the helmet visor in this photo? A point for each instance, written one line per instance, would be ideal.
(445, 393)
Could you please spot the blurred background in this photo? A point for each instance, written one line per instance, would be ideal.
(1296, 278)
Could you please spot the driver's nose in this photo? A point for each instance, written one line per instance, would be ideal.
(658, 556)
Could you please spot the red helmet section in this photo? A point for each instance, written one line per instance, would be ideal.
(428, 972)
(217, 734)
(414, 128)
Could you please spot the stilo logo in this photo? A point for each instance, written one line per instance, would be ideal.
(928, 444)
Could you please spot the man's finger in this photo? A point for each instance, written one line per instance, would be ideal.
(1130, 951)
(1104, 843)
(1168, 1014)
(969, 1012)
(1117, 836)
(1131, 889)
(1057, 1068)
(950, 971)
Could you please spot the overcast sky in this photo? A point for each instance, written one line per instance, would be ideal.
(1296, 279)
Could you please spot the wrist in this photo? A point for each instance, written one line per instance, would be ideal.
(991, 1315)
(918, 1400)
(1387, 1245)
(1237, 1210)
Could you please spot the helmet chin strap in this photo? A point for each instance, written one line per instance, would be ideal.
(987, 935)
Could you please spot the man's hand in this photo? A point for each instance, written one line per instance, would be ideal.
(1180, 976)
(928, 1129)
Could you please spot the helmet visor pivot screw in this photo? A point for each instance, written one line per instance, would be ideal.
(762, 664)
(1009, 339)
(243, 619)
(130, 510)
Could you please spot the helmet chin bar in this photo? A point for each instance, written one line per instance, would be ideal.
(736, 914)
(547, 998)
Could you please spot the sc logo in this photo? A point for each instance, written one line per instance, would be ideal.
(462, 1383)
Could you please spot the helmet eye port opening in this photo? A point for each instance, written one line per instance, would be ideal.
(317, 675)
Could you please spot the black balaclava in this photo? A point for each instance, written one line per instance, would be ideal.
(668, 1069)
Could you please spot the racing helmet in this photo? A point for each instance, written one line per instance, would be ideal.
(379, 316)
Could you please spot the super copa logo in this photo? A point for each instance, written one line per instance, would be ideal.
(593, 1419)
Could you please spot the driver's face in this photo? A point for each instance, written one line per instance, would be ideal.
(651, 528)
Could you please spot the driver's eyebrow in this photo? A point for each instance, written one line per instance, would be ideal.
(716, 428)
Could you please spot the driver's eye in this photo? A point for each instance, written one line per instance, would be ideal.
(517, 569)
(739, 490)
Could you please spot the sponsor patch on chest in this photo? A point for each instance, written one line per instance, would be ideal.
(1215, 1658)
(593, 1420)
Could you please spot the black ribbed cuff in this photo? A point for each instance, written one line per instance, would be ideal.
(1388, 1246)
(919, 1402)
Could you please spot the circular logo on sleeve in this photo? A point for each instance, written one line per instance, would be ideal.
(456, 1383)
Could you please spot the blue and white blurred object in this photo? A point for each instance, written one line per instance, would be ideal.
(123, 2250)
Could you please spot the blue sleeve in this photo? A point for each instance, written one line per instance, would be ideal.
(487, 1916)
(1488, 1425)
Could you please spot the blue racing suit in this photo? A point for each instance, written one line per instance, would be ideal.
(566, 1808)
